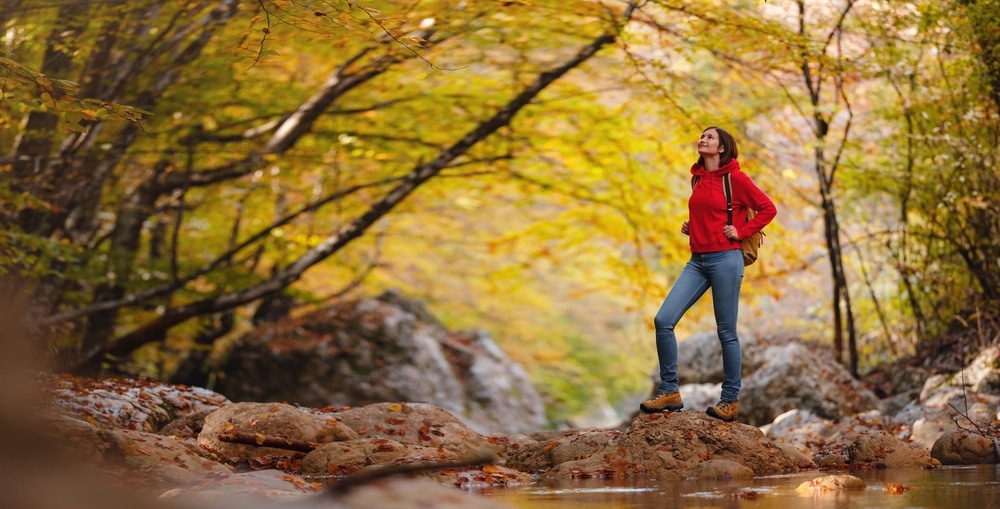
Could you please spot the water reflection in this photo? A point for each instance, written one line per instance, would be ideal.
(976, 487)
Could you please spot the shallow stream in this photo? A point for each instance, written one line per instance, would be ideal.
(972, 487)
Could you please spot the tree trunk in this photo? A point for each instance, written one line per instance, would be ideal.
(843, 315)
(35, 171)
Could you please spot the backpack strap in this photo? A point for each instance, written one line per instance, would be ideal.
(727, 185)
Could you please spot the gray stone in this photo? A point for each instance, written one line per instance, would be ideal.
(389, 349)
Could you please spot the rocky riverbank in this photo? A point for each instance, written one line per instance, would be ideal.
(145, 443)
(191, 446)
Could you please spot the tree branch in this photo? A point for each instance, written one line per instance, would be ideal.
(171, 317)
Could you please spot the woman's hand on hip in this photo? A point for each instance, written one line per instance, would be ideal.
(730, 232)
(686, 227)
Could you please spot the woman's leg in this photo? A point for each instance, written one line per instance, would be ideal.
(689, 287)
(725, 273)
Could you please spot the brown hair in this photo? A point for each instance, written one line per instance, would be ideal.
(729, 149)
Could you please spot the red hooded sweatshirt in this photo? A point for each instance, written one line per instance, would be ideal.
(707, 208)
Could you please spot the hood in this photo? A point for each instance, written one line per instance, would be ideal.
(700, 171)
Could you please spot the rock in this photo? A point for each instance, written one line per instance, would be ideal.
(928, 429)
(825, 460)
(798, 457)
(507, 445)
(337, 459)
(269, 420)
(925, 420)
(700, 357)
(73, 440)
(848, 429)
(662, 445)
(155, 461)
(187, 426)
(698, 397)
(961, 447)
(883, 449)
(681, 440)
(796, 376)
(148, 461)
(120, 403)
(720, 469)
(542, 456)
(983, 373)
(801, 429)
(416, 424)
(831, 483)
(388, 349)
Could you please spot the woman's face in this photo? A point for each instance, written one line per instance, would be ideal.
(708, 145)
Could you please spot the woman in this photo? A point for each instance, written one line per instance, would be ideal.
(716, 262)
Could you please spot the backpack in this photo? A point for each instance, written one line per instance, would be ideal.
(751, 244)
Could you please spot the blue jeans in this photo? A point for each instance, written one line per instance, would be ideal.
(723, 273)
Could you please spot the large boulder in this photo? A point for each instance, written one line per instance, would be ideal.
(417, 424)
(388, 349)
(797, 376)
(699, 357)
(267, 420)
(123, 403)
(682, 440)
(881, 449)
(149, 462)
(963, 447)
(661, 445)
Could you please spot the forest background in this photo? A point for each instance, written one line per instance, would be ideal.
(176, 171)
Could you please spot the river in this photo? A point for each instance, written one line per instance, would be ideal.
(966, 487)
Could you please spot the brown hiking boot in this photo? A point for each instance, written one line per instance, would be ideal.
(725, 410)
(671, 402)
